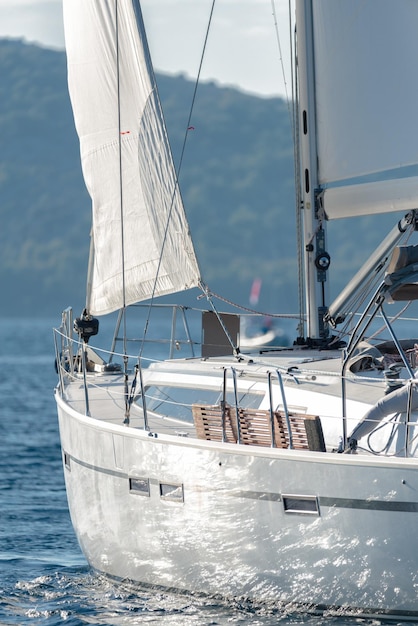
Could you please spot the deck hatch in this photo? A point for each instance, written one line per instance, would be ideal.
(171, 492)
(302, 505)
(139, 486)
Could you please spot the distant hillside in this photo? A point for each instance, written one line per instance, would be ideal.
(236, 179)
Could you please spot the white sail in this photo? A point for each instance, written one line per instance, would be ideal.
(126, 160)
(365, 89)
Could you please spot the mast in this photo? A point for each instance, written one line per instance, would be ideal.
(314, 235)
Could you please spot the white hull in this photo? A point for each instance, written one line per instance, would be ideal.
(287, 476)
(229, 534)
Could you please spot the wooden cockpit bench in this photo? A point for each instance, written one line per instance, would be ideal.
(208, 423)
(253, 427)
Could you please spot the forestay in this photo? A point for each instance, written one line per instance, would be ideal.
(366, 101)
(126, 159)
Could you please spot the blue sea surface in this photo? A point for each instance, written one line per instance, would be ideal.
(44, 578)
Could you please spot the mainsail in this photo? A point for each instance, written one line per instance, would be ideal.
(140, 235)
(365, 109)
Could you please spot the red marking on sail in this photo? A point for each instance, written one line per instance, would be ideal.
(126, 132)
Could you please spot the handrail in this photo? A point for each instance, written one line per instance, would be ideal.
(234, 380)
(240, 411)
(63, 346)
(408, 417)
(224, 405)
(84, 368)
(273, 438)
(286, 412)
(65, 356)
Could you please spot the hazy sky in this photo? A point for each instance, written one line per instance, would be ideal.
(242, 48)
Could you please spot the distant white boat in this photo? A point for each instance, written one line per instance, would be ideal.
(256, 332)
(286, 476)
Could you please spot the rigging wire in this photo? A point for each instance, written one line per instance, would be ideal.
(279, 45)
(175, 190)
(293, 111)
(188, 125)
(122, 224)
(253, 311)
(176, 184)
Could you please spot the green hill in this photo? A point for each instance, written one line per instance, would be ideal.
(236, 180)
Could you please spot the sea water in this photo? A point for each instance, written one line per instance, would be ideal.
(44, 578)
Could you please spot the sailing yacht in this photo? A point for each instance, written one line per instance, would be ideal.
(285, 475)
